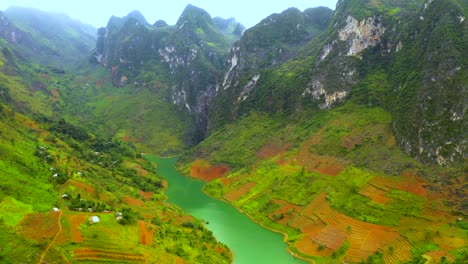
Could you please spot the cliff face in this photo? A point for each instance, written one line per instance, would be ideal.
(430, 85)
(405, 56)
(184, 59)
(267, 46)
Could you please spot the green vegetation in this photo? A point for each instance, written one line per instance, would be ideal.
(303, 161)
(13, 211)
(47, 161)
(72, 135)
(51, 39)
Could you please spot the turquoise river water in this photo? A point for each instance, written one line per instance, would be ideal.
(250, 242)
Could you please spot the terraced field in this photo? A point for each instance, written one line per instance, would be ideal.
(236, 194)
(96, 255)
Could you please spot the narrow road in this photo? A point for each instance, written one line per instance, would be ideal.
(53, 240)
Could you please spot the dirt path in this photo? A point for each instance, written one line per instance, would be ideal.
(53, 240)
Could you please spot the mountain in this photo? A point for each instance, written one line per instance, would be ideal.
(58, 177)
(322, 134)
(343, 130)
(48, 38)
(284, 64)
(181, 61)
(275, 41)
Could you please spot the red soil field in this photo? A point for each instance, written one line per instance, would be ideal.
(307, 246)
(312, 228)
(401, 252)
(40, 226)
(54, 94)
(99, 255)
(365, 238)
(183, 218)
(225, 181)
(352, 139)
(327, 165)
(132, 201)
(204, 171)
(146, 234)
(372, 192)
(29, 123)
(374, 240)
(330, 236)
(438, 254)
(146, 195)
(234, 195)
(273, 148)
(300, 222)
(76, 221)
(73, 233)
(287, 210)
(412, 184)
(140, 171)
(179, 260)
(83, 186)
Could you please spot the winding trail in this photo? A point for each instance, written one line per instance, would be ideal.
(53, 240)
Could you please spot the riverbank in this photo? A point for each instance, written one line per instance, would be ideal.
(247, 239)
(285, 235)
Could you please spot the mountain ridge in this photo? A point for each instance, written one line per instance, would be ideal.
(342, 129)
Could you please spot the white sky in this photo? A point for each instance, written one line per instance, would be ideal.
(98, 12)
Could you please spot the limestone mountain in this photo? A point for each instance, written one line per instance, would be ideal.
(361, 55)
(343, 129)
(325, 141)
(57, 177)
(183, 60)
(267, 46)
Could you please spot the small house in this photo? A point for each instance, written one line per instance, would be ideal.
(94, 219)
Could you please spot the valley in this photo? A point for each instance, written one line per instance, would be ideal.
(315, 136)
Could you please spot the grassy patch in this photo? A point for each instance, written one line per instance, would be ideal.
(13, 211)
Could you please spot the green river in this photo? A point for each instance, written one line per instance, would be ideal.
(250, 242)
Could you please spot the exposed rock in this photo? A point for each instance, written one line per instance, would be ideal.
(233, 63)
(399, 46)
(361, 35)
(327, 48)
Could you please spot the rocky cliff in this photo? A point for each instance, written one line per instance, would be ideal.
(185, 59)
(406, 56)
(267, 46)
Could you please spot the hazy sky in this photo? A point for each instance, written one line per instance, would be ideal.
(98, 12)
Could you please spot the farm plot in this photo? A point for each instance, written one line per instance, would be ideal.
(97, 255)
(286, 212)
(236, 194)
(374, 193)
(204, 171)
(146, 233)
(364, 238)
(40, 226)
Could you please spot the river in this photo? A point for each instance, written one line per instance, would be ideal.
(250, 242)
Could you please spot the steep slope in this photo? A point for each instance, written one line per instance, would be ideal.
(260, 54)
(353, 144)
(46, 162)
(53, 39)
(362, 54)
(337, 184)
(183, 61)
(430, 84)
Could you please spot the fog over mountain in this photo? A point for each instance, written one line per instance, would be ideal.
(97, 13)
